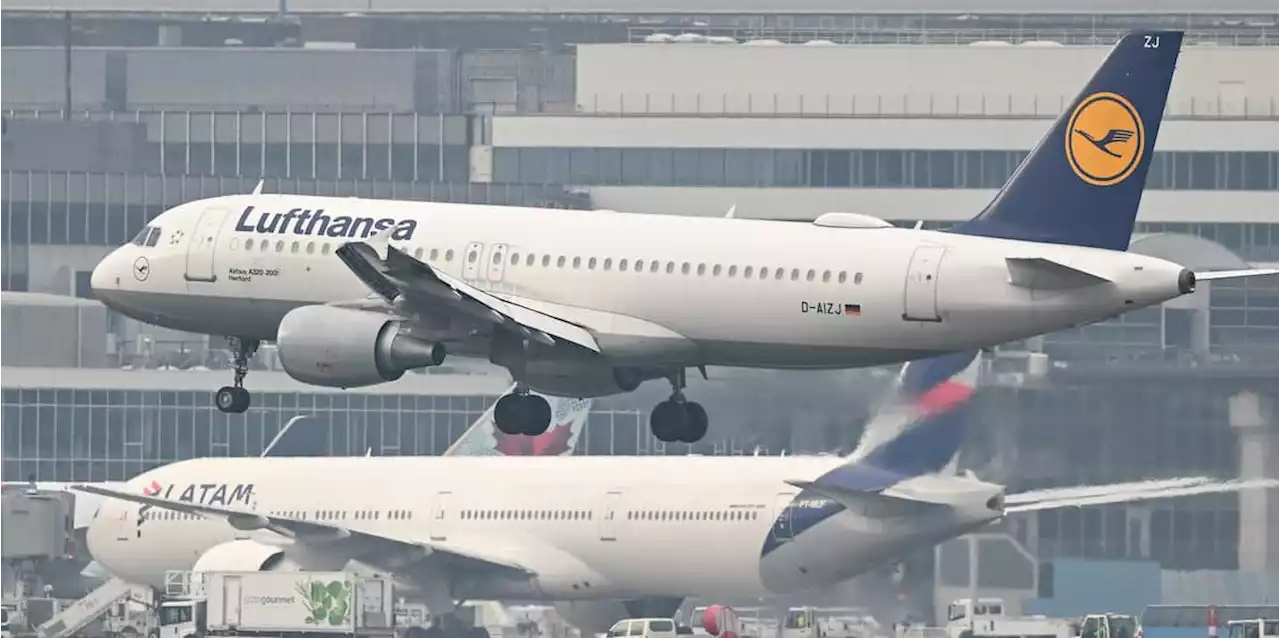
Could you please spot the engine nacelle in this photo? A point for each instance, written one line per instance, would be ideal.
(244, 556)
(346, 348)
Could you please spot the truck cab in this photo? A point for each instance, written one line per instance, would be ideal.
(1109, 626)
(181, 619)
(1253, 628)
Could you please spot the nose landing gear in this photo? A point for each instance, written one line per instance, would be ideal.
(235, 399)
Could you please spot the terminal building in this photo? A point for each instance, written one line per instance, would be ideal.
(913, 117)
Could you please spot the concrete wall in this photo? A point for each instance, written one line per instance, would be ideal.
(715, 78)
(38, 331)
(1088, 586)
(261, 79)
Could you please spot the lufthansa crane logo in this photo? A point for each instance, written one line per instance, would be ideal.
(1105, 139)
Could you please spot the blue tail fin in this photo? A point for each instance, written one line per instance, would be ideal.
(922, 427)
(1081, 185)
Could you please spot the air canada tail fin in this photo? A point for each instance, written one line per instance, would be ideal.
(483, 438)
(1081, 185)
(919, 429)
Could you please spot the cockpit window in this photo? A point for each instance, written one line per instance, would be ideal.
(148, 236)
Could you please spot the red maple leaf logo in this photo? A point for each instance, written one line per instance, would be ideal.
(553, 442)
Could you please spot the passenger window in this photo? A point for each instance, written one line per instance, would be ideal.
(528, 259)
(733, 270)
(293, 248)
(280, 246)
(809, 276)
(546, 261)
(324, 248)
(653, 266)
(577, 262)
(608, 264)
(248, 244)
(841, 277)
(684, 268)
(715, 270)
(434, 254)
(857, 278)
(591, 264)
(622, 265)
(702, 269)
(746, 272)
(448, 255)
(777, 274)
(671, 266)
(264, 245)
(826, 276)
(795, 274)
(515, 259)
(560, 262)
(311, 247)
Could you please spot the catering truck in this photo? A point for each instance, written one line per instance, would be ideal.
(200, 604)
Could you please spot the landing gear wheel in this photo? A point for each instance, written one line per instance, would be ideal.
(231, 399)
(527, 414)
(695, 423)
(234, 399)
(668, 421)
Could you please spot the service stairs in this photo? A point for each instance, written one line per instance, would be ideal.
(84, 611)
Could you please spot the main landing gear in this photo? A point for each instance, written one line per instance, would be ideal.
(678, 420)
(234, 399)
(522, 412)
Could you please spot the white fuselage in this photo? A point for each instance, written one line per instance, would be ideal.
(590, 528)
(653, 289)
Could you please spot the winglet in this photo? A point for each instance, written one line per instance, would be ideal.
(732, 209)
(1082, 184)
(257, 190)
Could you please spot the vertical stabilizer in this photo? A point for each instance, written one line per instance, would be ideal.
(1081, 185)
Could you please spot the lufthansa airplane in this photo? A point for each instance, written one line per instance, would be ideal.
(601, 537)
(356, 291)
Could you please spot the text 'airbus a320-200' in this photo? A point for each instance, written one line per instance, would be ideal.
(355, 291)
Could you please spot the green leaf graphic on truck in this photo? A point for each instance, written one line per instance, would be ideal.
(328, 603)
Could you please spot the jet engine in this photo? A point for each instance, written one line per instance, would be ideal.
(346, 348)
(244, 556)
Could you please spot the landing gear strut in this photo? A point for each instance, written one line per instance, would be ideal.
(234, 399)
(522, 412)
(677, 419)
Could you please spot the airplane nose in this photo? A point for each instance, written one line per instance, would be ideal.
(105, 278)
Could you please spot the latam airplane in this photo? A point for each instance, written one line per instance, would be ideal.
(590, 303)
(597, 536)
(297, 439)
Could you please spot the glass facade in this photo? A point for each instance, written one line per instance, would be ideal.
(1100, 427)
(293, 144)
(65, 434)
(857, 168)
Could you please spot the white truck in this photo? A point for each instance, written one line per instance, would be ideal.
(275, 604)
(986, 618)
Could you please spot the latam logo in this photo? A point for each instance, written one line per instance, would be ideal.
(315, 223)
(201, 494)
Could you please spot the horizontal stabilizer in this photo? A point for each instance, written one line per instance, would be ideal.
(1235, 274)
(1046, 274)
(853, 498)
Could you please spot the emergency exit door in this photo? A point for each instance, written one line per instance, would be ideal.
(609, 516)
(440, 516)
(920, 297)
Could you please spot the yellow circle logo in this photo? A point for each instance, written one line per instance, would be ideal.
(1105, 139)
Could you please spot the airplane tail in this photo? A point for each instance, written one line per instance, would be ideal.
(918, 431)
(1082, 183)
(483, 438)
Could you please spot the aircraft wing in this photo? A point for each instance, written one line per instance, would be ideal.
(1127, 493)
(1212, 275)
(315, 532)
(392, 273)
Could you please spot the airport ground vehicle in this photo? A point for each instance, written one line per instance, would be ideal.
(1253, 628)
(275, 603)
(1109, 626)
(643, 628)
(828, 622)
(986, 618)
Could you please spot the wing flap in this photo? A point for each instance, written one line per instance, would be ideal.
(305, 531)
(1047, 274)
(398, 274)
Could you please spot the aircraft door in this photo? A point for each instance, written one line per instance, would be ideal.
(129, 525)
(204, 244)
(471, 261)
(782, 517)
(609, 515)
(440, 516)
(920, 299)
(497, 261)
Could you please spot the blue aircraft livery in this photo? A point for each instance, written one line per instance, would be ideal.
(937, 392)
(317, 223)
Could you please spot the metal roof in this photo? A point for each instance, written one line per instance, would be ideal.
(17, 377)
(654, 7)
